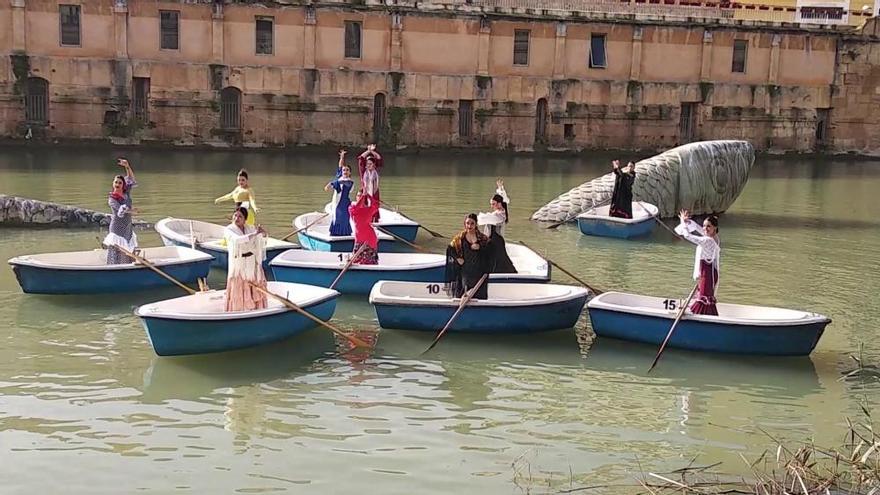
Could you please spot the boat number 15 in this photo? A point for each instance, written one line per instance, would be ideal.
(433, 288)
(670, 304)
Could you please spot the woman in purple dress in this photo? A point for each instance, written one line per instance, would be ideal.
(707, 262)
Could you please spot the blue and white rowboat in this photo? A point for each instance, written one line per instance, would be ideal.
(199, 324)
(510, 308)
(530, 267)
(209, 239)
(597, 222)
(317, 237)
(87, 272)
(321, 268)
(738, 329)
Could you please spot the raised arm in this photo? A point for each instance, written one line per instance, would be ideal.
(688, 227)
(225, 197)
(499, 190)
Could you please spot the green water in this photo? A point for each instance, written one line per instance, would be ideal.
(86, 407)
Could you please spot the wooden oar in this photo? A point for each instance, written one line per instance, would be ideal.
(464, 300)
(658, 219)
(290, 304)
(433, 233)
(681, 311)
(401, 239)
(568, 219)
(153, 267)
(305, 227)
(573, 276)
(348, 264)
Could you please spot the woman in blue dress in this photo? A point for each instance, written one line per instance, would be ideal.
(341, 186)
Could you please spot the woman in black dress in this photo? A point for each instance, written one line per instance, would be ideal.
(468, 258)
(622, 196)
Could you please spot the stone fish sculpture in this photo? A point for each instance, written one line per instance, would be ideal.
(22, 212)
(705, 177)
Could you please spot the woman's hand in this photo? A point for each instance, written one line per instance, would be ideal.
(122, 162)
(342, 153)
(475, 246)
(261, 230)
(615, 164)
(684, 216)
(460, 261)
(371, 147)
(499, 183)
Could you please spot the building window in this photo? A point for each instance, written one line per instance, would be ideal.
(140, 101)
(598, 57)
(352, 39)
(230, 108)
(465, 118)
(68, 16)
(36, 101)
(169, 27)
(740, 47)
(265, 35)
(521, 47)
(568, 131)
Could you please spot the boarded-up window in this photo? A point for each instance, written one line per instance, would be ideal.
(36, 101)
(169, 27)
(378, 117)
(69, 17)
(265, 35)
(465, 118)
(230, 108)
(687, 123)
(740, 49)
(352, 39)
(598, 57)
(541, 121)
(140, 101)
(521, 47)
(823, 116)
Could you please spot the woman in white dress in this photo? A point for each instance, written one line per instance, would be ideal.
(493, 224)
(247, 250)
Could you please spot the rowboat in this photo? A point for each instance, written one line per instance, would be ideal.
(321, 268)
(199, 324)
(530, 266)
(598, 222)
(208, 237)
(510, 308)
(317, 236)
(738, 329)
(392, 221)
(87, 272)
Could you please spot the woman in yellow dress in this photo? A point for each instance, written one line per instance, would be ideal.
(244, 196)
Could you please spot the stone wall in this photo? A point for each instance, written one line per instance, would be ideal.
(423, 64)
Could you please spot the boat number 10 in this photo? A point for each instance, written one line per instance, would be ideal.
(670, 304)
(433, 288)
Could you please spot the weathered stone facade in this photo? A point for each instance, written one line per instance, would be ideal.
(423, 70)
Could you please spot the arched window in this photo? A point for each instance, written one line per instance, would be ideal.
(230, 108)
(541, 121)
(378, 116)
(36, 101)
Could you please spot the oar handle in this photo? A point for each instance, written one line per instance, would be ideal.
(659, 220)
(348, 264)
(573, 276)
(290, 304)
(305, 227)
(396, 210)
(398, 238)
(153, 267)
(464, 300)
(681, 311)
